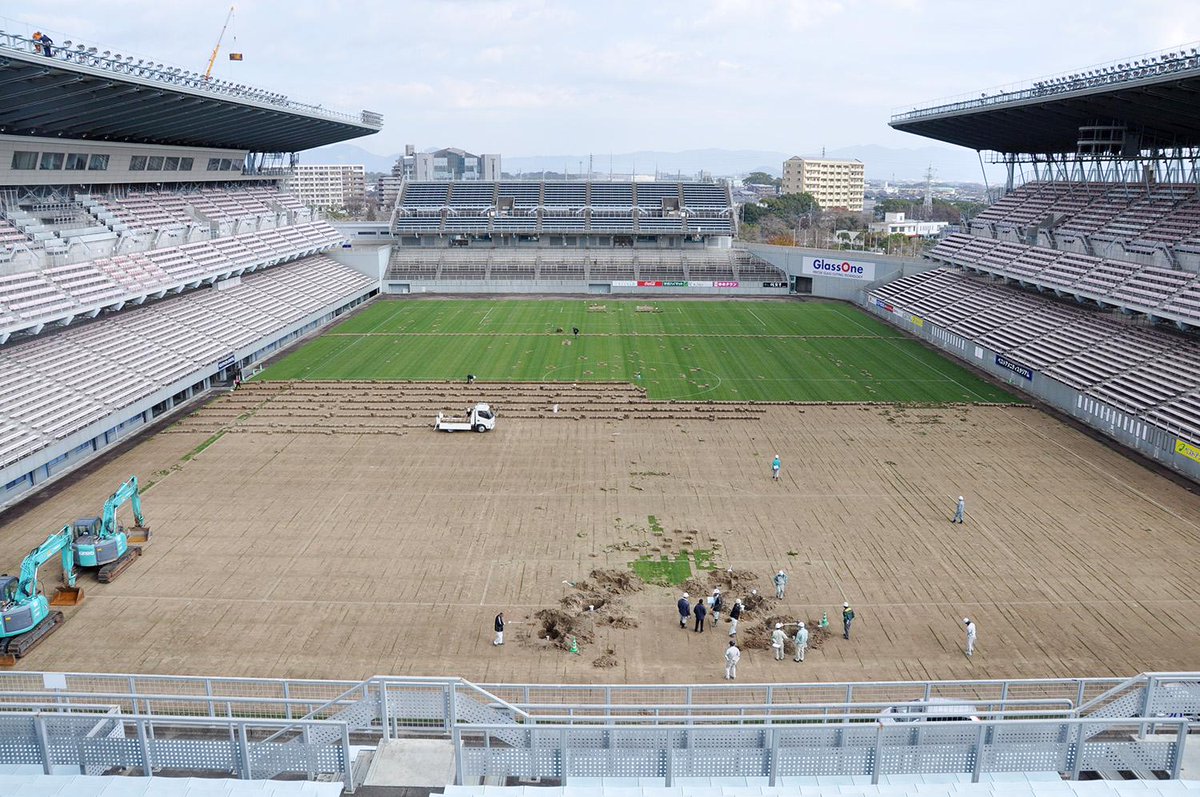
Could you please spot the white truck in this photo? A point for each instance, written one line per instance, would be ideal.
(479, 418)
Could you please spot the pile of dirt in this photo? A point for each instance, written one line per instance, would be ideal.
(758, 636)
(616, 582)
(729, 580)
(559, 627)
(606, 659)
(695, 588)
(577, 602)
(754, 602)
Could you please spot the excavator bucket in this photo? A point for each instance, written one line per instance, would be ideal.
(138, 533)
(67, 596)
(8, 660)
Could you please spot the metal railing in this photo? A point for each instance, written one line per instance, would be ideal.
(101, 741)
(1067, 747)
(1172, 61)
(267, 727)
(111, 62)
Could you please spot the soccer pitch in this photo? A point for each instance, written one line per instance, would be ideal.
(690, 350)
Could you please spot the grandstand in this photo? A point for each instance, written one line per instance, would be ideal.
(139, 271)
(571, 237)
(1081, 285)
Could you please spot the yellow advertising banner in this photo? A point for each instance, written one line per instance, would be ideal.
(1186, 450)
(918, 321)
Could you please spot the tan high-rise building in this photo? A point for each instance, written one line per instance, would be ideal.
(834, 184)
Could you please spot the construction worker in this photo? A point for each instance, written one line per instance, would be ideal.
(43, 42)
(801, 641)
(685, 611)
(701, 610)
(777, 640)
(715, 605)
(732, 657)
(959, 510)
(499, 626)
(775, 466)
(847, 619)
(780, 583)
(735, 614)
(970, 636)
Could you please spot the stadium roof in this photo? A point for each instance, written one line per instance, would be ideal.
(84, 94)
(1156, 98)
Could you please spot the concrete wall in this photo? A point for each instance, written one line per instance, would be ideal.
(1146, 438)
(401, 286)
(33, 471)
(369, 258)
(887, 267)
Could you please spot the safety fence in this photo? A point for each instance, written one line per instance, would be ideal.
(268, 728)
(1067, 747)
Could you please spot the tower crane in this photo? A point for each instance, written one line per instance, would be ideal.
(100, 542)
(26, 617)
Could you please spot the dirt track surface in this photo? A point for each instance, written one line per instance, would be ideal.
(331, 532)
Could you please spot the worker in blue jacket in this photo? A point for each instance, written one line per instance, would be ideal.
(685, 611)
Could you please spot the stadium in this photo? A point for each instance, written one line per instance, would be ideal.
(305, 598)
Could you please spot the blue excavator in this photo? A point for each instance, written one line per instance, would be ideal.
(26, 616)
(101, 543)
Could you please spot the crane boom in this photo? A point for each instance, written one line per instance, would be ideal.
(213, 59)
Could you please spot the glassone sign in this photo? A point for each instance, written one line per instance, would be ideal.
(835, 267)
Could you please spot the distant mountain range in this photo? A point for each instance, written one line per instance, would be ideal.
(882, 163)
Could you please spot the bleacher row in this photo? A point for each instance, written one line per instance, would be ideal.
(571, 207)
(86, 216)
(580, 265)
(55, 385)
(1143, 217)
(1144, 372)
(569, 195)
(145, 210)
(1166, 293)
(33, 297)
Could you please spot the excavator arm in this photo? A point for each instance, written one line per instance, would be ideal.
(127, 492)
(59, 543)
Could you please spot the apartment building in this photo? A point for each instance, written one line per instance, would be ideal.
(833, 183)
(330, 186)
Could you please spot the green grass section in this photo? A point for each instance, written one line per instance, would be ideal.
(727, 351)
(663, 571)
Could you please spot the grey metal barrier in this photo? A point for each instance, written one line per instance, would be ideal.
(1068, 747)
(102, 742)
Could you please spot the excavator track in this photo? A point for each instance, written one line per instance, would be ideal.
(15, 647)
(110, 571)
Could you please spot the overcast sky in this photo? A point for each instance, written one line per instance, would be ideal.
(526, 77)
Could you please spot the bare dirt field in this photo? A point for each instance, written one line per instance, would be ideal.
(327, 531)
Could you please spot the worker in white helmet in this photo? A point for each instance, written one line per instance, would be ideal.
(780, 580)
(685, 610)
(801, 641)
(777, 640)
(959, 510)
(970, 636)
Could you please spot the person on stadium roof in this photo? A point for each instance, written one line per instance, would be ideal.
(43, 42)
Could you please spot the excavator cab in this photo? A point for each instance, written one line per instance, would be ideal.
(8, 589)
(94, 550)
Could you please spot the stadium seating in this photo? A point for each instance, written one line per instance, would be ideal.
(531, 208)
(1166, 293)
(31, 298)
(54, 385)
(712, 265)
(1143, 371)
(1142, 217)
